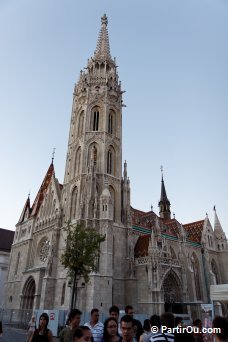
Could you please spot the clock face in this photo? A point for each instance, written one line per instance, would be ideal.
(44, 250)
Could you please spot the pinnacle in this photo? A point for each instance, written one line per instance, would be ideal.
(103, 49)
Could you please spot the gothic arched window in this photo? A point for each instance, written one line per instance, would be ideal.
(73, 207)
(78, 161)
(110, 123)
(80, 124)
(95, 120)
(109, 162)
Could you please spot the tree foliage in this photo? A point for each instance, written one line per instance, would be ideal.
(82, 250)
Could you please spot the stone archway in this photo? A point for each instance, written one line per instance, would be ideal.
(28, 294)
(172, 290)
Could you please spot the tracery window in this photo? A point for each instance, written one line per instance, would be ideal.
(109, 162)
(80, 124)
(73, 208)
(110, 123)
(95, 126)
(44, 250)
(78, 161)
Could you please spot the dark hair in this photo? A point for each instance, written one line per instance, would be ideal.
(73, 313)
(178, 320)
(79, 331)
(45, 316)
(128, 307)
(185, 336)
(222, 323)
(167, 319)
(146, 325)
(114, 308)
(197, 322)
(106, 336)
(127, 319)
(155, 321)
(94, 310)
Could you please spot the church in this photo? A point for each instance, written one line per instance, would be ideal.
(150, 261)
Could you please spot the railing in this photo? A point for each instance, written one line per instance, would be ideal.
(16, 317)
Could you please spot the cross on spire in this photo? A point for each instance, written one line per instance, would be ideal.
(53, 155)
(161, 167)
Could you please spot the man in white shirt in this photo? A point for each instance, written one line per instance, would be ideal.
(96, 327)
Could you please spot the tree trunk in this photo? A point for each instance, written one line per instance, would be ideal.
(73, 291)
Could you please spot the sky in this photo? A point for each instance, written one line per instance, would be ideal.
(172, 58)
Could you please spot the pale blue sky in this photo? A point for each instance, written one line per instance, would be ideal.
(173, 63)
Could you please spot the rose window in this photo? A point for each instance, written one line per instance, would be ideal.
(44, 250)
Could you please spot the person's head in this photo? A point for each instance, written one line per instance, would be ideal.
(178, 321)
(155, 321)
(43, 321)
(94, 315)
(114, 312)
(83, 334)
(197, 323)
(74, 318)
(129, 310)
(167, 319)
(110, 328)
(33, 318)
(126, 324)
(146, 325)
(222, 323)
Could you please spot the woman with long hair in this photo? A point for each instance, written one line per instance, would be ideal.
(110, 330)
(42, 334)
(83, 334)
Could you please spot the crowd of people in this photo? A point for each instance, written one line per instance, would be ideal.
(128, 329)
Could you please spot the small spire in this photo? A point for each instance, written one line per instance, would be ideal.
(125, 170)
(217, 224)
(151, 207)
(103, 49)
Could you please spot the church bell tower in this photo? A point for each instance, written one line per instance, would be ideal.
(94, 191)
(94, 156)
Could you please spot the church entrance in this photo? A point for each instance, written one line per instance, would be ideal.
(28, 294)
(173, 294)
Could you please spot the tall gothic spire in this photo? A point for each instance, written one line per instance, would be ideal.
(103, 49)
(163, 191)
(164, 203)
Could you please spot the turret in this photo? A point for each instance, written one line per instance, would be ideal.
(220, 236)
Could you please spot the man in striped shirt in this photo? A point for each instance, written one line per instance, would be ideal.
(167, 320)
(95, 326)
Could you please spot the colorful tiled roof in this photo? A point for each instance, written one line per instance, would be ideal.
(143, 219)
(194, 230)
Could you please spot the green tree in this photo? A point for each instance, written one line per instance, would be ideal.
(81, 254)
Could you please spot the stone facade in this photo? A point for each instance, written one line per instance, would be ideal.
(6, 240)
(150, 261)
